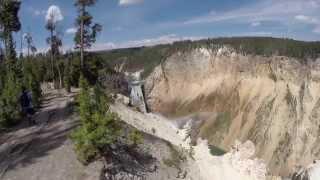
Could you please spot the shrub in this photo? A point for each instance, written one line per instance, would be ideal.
(84, 149)
(9, 101)
(67, 84)
(135, 138)
(67, 80)
(14, 75)
(99, 127)
(31, 80)
(34, 85)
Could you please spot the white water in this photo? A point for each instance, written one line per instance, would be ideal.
(314, 171)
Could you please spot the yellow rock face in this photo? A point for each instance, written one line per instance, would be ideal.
(271, 101)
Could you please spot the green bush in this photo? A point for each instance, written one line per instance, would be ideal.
(67, 84)
(99, 127)
(34, 86)
(9, 101)
(135, 138)
(84, 149)
(67, 78)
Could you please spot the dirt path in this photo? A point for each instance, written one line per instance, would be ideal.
(44, 152)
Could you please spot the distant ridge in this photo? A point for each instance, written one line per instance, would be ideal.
(223, 40)
(148, 57)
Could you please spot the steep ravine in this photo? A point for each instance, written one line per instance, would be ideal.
(272, 101)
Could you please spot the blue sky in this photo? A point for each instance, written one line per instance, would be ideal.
(128, 23)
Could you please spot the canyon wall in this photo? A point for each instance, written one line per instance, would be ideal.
(271, 101)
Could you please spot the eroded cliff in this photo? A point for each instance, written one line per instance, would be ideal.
(272, 101)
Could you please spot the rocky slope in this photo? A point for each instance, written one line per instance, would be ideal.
(191, 162)
(272, 101)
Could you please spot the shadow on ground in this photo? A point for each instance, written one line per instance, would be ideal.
(52, 131)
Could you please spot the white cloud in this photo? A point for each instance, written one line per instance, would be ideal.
(103, 46)
(129, 2)
(166, 39)
(307, 19)
(255, 24)
(258, 33)
(267, 10)
(39, 12)
(35, 12)
(71, 30)
(54, 14)
(310, 20)
(284, 12)
(301, 17)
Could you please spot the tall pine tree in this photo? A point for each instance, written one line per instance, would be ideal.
(99, 128)
(55, 42)
(9, 23)
(30, 45)
(14, 74)
(10, 70)
(87, 30)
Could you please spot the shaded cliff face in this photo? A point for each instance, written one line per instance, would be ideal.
(272, 101)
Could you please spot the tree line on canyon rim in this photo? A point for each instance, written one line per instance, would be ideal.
(148, 57)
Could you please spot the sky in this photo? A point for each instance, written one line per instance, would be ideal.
(130, 23)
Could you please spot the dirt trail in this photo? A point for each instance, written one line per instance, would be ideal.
(44, 152)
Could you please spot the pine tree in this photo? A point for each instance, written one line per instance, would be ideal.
(9, 101)
(10, 69)
(54, 41)
(135, 138)
(14, 74)
(9, 23)
(87, 31)
(99, 127)
(85, 108)
(30, 45)
(32, 80)
(67, 77)
(1, 53)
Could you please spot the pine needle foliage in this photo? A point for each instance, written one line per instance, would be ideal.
(99, 127)
(9, 101)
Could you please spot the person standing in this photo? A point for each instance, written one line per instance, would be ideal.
(26, 105)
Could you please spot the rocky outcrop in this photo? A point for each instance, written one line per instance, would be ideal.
(178, 159)
(312, 172)
(272, 101)
(236, 164)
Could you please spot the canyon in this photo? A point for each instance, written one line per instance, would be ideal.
(272, 101)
